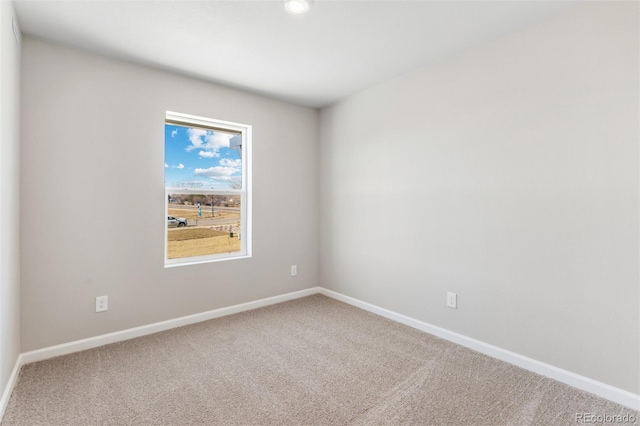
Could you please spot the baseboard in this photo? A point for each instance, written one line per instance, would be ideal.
(13, 379)
(118, 336)
(603, 390)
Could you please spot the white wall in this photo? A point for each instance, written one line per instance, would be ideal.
(93, 196)
(9, 195)
(509, 175)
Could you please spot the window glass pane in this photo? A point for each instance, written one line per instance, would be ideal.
(203, 224)
(202, 158)
(206, 198)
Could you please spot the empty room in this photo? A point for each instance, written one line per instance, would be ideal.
(318, 212)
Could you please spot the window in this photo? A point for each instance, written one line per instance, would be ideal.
(207, 197)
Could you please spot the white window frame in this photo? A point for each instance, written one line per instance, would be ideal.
(244, 193)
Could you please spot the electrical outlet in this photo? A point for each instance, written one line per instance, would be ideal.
(102, 303)
(294, 270)
(452, 300)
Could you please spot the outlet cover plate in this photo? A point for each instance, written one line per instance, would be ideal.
(452, 300)
(102, 303)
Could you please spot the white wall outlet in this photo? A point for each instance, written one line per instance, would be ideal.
(452, 300)
(294, 270)
(102, 303)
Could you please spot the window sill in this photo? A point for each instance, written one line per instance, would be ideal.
(172, 263)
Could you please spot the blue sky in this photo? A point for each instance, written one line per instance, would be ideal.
(200, 158)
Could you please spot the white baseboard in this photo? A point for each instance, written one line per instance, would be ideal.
(118, 336)
(603, 390)
(13, 379)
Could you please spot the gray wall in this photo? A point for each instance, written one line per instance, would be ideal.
(92, 202)
(9, 194)
(509, 175)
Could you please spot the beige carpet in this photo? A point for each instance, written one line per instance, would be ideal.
(311, 361)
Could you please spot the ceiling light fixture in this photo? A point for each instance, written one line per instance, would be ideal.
(297, 7)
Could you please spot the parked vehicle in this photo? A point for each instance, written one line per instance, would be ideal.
(176, 222)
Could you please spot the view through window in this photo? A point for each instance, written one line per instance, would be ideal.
(206, 195)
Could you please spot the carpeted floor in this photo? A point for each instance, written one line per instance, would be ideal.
(311, 361)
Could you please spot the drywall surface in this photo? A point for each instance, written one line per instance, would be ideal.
(9, 194)
(93, 197)
(508, 175)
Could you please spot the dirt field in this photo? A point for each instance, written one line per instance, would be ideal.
(187, 242)
(193, 233)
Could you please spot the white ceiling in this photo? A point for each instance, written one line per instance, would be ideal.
(337, 49)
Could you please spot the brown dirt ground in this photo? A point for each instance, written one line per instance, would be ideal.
(199, 242)
(181, 234)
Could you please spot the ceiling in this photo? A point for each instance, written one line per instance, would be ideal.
(335, 50)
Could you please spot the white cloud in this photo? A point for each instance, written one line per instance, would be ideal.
(196, 137)
(230, 163)
(208, 141)
(166, 165)
(208, 154)
(174, 132)
(217, 172)
(180, 166)
(215, 141)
